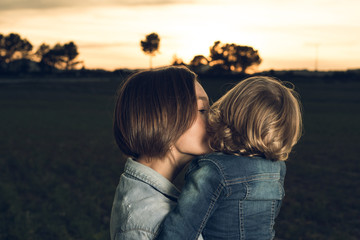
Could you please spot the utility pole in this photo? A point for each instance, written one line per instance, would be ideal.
(316, 56)
(316, 62)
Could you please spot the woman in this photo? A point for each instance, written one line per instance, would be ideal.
(159, 123)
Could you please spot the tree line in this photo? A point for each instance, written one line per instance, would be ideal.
(17, 53)
(223, 57)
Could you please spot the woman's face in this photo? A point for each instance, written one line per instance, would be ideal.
(194, 140)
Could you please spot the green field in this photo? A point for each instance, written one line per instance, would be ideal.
(59, 166)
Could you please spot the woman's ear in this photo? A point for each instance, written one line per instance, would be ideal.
(173, 152)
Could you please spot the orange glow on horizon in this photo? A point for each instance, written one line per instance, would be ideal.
(109, 37)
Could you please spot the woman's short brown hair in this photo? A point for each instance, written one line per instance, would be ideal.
(153, 109)
(259, 116)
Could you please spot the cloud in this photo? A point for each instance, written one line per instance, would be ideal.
(104, 45)
(35, 4)
(43, 4)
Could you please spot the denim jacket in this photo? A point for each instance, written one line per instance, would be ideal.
(143, 197)
(227, 197)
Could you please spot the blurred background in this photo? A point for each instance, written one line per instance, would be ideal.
(288, 34)
(61, 63)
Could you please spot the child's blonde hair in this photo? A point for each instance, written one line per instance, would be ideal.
(259, 116)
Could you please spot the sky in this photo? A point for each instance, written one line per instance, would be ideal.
(288, 34)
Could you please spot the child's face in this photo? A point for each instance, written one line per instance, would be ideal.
(194, 140)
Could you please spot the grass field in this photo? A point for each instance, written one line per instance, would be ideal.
(59, 165)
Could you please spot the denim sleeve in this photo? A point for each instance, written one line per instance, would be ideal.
(134, 235)
(198, 200)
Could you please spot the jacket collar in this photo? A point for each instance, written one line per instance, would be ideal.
(151, 177)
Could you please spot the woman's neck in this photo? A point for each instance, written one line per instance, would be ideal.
(167, 166)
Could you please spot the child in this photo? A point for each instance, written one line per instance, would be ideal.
(236, 191)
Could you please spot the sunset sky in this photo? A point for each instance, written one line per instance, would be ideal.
(289, 34)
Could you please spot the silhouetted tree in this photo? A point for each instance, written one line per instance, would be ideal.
(233, 57)
(42, 50)
(199, 63)
(60, 56)
(199, 60)
(39, 55)
(177, 61)
(53, 57)
(150, 45)
(13, 47)
(70, 54)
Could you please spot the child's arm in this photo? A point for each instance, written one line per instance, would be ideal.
(197, 202)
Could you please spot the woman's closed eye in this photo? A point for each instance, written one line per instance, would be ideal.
(202, 110)
(203, 106)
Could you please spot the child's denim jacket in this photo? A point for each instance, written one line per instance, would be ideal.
(227, 197)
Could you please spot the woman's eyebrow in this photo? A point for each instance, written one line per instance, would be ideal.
(203, 98)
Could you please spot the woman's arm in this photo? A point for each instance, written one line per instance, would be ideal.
(197, 202)
(134, 235)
